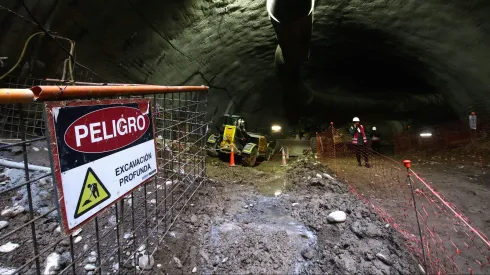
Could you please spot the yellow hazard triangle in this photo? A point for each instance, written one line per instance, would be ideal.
(92, 194)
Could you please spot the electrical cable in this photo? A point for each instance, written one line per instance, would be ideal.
(48, 34)
(35, 22)
(21, 55)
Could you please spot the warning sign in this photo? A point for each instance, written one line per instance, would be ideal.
(102, 150)
(92, 194)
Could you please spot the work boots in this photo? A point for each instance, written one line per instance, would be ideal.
(367, 165)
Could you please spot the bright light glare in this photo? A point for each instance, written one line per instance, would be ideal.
(425, 134)
(276, 128)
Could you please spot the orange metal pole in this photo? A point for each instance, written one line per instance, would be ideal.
(92, 83)
(9, 96)
(43, 93)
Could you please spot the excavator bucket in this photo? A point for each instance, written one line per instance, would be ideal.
(295, 147)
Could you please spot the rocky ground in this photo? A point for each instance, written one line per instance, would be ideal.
(267, 219)
(16, 243)
(236, 225)
(462, 175)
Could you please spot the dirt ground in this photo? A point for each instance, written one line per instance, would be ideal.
(460, 176)
(84, 247)
(273, 220)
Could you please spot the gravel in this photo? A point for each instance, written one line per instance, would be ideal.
(275, 237)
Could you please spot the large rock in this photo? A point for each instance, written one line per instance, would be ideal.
(13, 211)
(146, 262)
(89, 267)
(52, 263)
(337, 216)
(7, 270)
(8, 247)
(3, 224)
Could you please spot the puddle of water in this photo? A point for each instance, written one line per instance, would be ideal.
(299, 236)
(275, 187)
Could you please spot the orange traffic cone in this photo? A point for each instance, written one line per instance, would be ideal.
(283, 157)
(232, 157)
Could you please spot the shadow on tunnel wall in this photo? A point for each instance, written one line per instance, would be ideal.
(365, 59)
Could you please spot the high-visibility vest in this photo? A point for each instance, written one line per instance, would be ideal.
(375, 138)
(356, 134)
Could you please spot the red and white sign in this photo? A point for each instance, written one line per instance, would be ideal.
(103, 151)
(106, 130)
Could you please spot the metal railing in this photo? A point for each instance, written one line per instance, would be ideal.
(123, 239)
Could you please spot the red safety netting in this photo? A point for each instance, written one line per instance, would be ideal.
(450, 242)
(443, 136)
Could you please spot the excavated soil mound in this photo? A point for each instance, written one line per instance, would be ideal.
(231, 228)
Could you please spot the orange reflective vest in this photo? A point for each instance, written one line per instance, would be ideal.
(356, 134)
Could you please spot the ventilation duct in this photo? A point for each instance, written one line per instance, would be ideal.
(293, 23)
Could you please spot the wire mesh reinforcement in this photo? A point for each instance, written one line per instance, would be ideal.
(123, 238)
(34, 123)
(450, 241)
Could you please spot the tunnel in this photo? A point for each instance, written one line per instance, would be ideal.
(301, 66)
(278, 60)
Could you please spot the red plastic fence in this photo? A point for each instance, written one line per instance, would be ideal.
(450, 242)
(448, 135)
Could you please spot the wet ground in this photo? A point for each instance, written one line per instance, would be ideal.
(273, 220)
(459, 177)
(463, 176)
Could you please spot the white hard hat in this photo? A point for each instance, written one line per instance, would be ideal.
(374, 128)
(356, 119)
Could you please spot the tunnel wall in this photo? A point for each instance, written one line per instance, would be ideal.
(230, 46)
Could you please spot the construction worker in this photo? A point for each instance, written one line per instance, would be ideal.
(375, 142)
(472, 119)
(473, 124)
(359, 140)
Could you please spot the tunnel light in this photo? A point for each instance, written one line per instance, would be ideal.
(425, 134)
(276, 128)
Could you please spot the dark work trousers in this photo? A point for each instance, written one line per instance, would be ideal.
(473, 135)
(361, 150)
(375, 145)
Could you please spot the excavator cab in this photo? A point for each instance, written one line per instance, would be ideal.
(233, 135)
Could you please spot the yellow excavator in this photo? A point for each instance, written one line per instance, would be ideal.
(233, 135)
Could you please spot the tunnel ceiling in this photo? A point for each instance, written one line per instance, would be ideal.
(374, 59)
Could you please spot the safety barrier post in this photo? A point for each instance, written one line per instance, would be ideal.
(408, 164)
(333, 138)
(333, 145)
(283, 157)
(473, 130)
(318, 148)
(232, 156)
